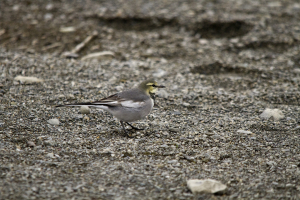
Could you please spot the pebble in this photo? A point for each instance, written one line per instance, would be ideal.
(165, 133)
(50, 155)
(50, 142)
(176, 112)
(85, 110)
(31, 144)
(78, 116)
(186, 104)
(205, 185)
(86, 118)
(159, 73)
(275, 113)
(67, 29)
(271, 163)
(172, 161)
(69, 189)
(162, 94)
(244, 132)
(48, 16)
(175, 130)
(28, 79)
(53, 121)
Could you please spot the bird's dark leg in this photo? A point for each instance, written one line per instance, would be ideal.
(125, 132)
(134, 127)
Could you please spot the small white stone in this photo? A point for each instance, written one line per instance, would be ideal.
(159, 73)
(244, 132)
(162, 94)
(67, 29)
(16, 8)
(50, 155)
(53, 121)
(85, 110)
(203, 41)
(49, 6)
(48, 16)
(205, 185)
(275, 113)
(28, 79)
(31, 144)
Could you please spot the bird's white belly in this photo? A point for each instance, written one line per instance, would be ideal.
(130, 114)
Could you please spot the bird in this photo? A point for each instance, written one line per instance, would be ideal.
(127, 106)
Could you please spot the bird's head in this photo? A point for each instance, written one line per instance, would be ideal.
(150, 86)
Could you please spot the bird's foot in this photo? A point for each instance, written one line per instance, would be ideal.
(128, 135)
(133, 127)
(124, 130)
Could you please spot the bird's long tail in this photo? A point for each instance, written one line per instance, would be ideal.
(102, 106)
(75, 104)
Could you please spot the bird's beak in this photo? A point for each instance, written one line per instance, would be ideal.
(160, 86)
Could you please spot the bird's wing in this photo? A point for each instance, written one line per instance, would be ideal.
(116, 100)
(113, 100)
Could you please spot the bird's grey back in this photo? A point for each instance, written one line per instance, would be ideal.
(134, 94)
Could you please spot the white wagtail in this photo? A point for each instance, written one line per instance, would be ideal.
(127, 106)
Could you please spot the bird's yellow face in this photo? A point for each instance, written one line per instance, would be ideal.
(150, 86)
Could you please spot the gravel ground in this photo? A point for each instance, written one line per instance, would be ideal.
(223, 64)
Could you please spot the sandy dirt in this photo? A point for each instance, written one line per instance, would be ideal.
(222, 62)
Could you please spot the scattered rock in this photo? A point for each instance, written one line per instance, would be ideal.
(67, 29)
(85, 110)
(31, 144)
(159, 73)
(244, 132)
(275, 113)
(50, 155)
(28, 79)
(50, 142)
(205, 185)
(53, 121)
(162, 94)
(175, 130)
(86, 118)
(13, 103)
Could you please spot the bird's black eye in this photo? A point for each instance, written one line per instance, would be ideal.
(154, 85)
